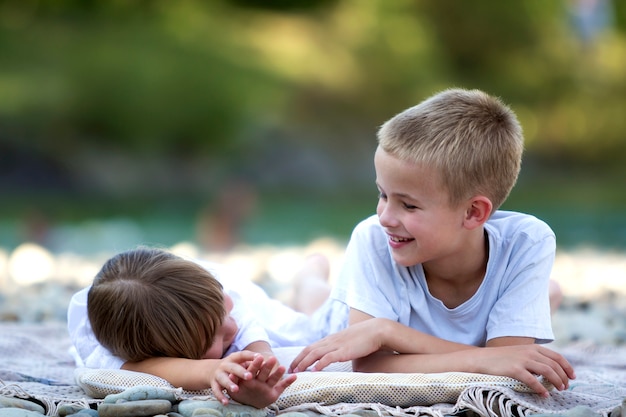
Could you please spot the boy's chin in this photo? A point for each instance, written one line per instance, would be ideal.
(404, 261)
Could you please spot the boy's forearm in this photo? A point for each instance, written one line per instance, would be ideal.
(522, 362)
(409, 350)
(413, 363)
(189, 374)
(399, 338)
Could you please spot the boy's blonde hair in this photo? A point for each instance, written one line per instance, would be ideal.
(149, 303)
(472, 139)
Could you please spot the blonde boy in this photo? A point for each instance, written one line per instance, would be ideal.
(440, 280)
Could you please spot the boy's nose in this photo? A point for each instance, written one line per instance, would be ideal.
(386, 216)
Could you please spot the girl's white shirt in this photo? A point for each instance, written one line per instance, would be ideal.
(258, 317)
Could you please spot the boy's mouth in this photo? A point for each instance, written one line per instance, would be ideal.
(399, 239)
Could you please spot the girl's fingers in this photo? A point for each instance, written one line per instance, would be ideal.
(255, 365)
(219, 393)
(283, 383)
(236, 371)
(225, 382)
(275, 376)
(267, 369)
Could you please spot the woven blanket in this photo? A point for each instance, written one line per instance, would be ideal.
(35, 364)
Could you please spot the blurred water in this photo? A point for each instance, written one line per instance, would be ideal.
(294, 224)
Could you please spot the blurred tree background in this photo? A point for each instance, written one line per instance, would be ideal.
(144, 114)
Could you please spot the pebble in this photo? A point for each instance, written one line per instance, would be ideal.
(18, 412)
(188, 408)
(12, 402)
(85, 412)
(207, 412)
(579, 411)
(67, 410)
(294, 414)
(366, 413)
(619, 410)
(141, 392)
(139, 408)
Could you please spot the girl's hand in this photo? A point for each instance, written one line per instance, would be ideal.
(266, 385)
(230, 372)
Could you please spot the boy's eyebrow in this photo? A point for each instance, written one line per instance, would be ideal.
(401, 195)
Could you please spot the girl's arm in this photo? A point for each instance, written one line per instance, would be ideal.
(196, 374)
(261, 347)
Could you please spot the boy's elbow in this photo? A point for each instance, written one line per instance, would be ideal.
(366, 364)
(358, 365)
(381, 361)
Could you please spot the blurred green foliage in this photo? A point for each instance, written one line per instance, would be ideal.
(195, 76)
(147, 97)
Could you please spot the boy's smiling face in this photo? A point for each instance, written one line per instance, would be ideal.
(225, 334)
(414, 210)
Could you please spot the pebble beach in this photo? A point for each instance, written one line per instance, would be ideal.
(36, 284)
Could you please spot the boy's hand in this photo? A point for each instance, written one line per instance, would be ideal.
(524, 363)
(357, 341)
(266, 385)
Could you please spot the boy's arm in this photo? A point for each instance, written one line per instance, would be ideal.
(365, 336)
(380, 345)
(521, 362)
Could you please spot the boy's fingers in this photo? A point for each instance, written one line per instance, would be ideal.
(562, 364)
(307, 358)
(558, 370)
(534, 384)
(556, 377)
(327, 359)
(310, 355)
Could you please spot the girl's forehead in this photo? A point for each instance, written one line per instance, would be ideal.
(228, 302)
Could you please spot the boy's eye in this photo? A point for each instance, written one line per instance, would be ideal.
(382, 196)
(409, 206)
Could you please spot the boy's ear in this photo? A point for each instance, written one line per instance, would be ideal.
(478, 211)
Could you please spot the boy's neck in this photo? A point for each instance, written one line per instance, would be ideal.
(455, 286)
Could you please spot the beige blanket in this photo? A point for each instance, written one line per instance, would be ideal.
(35, 364)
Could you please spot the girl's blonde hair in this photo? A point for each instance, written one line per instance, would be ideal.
(148, 303)
(472, 139)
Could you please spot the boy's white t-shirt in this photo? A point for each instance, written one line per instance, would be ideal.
(512, 300)
(258, 317)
